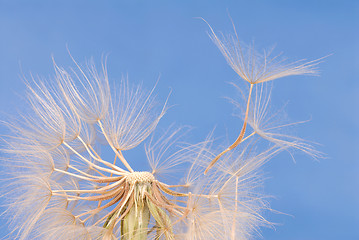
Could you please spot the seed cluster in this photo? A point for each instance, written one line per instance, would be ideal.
(139, 177)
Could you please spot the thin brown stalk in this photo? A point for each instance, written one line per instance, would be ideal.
(114, 167)
(118, 153)
(91, 163)
(235, 212)
(240, 137)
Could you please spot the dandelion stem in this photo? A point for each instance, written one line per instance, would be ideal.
(114, 167)
(186, 212)
(99, 190)
(240, 137)
(175, 186)
(129, 205)
(114, 162)
(102, 175)
(105, 196)
(171, 192)
(91, 163)
(93, 150)
(98, 180)
(206, 195)
(235, 212)
(112, 202)
(75, 175)
(118, 153)
(224, 218)
(250, 135)
(82, 172)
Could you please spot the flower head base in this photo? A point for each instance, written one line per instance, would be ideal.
(139, 177)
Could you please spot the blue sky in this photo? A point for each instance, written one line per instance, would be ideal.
(145, 39)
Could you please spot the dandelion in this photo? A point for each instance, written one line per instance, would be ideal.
(62, 187)
(255, 68)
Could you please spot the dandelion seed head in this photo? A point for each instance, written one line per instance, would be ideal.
(62, 187)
